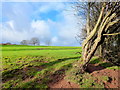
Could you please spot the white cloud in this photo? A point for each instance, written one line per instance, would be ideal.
(38, 29)
(19, 13)
(41, 28)
(68, 29)
(20, 26)
(12, 35)
(37, 1)
(54, 39)
(10, 23)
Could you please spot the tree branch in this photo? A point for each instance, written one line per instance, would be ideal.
(111, 34)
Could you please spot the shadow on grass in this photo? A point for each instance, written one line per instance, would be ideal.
(58, 61)
(30, 70)
(101, 65)
(106, 64)
(91, 67)
(49, 79)
(95, 61)
(23, 73)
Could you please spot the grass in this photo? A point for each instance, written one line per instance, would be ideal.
(87, 81)
(95, 60)
(31, 66)
(108, 65)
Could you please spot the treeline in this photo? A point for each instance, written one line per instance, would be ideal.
(35, 41)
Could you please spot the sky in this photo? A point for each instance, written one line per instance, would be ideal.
(54, 21)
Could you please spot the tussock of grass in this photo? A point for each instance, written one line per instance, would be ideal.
(106, 64)
(114, 67)
(95, 60)
(103, 78)
(85, 81)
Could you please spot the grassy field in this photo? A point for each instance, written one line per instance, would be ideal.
(28, 66)
(31, 66)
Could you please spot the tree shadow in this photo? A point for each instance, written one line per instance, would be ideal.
(30, 70)
(92, 67)
(95, 61)
(59, 61)
(106, 64)
(26, 72)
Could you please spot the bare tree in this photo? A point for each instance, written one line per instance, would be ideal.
(82, 35)
(100, 18)
(35, 41)
(24, 42)
(48, 42)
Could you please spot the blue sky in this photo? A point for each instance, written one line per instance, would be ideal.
(54, 21)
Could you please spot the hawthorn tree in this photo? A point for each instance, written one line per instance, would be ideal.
(101, 19)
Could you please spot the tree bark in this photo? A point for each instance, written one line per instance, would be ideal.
(93, 40)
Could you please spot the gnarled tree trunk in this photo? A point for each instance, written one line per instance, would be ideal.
(106, 19)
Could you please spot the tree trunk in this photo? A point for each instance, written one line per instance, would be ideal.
(93, 40)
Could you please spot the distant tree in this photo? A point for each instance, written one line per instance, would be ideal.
(35, 41)
(8, 43)
(24, 42)
(48, 42)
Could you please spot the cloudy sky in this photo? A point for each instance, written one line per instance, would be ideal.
(53, 21)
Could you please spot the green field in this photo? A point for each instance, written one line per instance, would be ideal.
(32, 66)
(35, 63)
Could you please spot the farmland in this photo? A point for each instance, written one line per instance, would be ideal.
(25, 62)
(37, 66)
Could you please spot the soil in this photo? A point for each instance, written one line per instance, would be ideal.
(22, 72)
(112, 74)
(59, 81)
(64, 84)
(94, 67)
